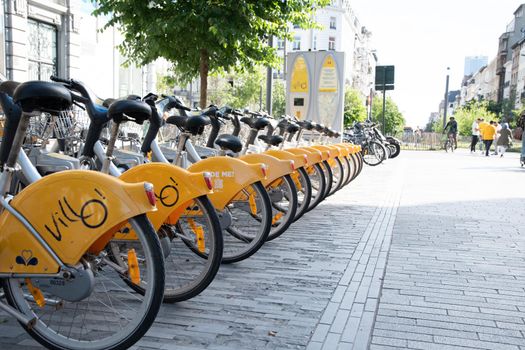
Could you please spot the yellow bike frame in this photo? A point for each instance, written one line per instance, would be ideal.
(73, 212)
(230, 176)
(174, 188)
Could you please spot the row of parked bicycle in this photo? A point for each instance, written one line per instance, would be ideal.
(87, 257)
(376, 147)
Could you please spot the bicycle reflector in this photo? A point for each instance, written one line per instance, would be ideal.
(150, 193)
(133, 267)
(292, 165)
(208, 180)
(264, 169)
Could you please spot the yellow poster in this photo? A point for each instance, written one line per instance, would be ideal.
(328, 76)
(299, 76)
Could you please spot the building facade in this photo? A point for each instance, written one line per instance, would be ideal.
(474, 63)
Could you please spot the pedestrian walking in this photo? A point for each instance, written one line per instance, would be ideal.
(498, 130)
(475, 135)
(520, 127)
(504, 139)
(488, 134)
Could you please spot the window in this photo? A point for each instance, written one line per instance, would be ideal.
(42, 50)
(314, 44)
(332, 22)
(2, 41)
(331, 43)
(297, 43)
(280, 44)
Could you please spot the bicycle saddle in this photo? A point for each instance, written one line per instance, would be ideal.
(305, 124)
(8, 87)
(194, 124)
(292, 128)
(230, 142)
(255, 122)
(129, 110)
(318, 127)
(273, 140)
(42, 96)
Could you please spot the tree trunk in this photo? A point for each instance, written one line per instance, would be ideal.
(204, 68)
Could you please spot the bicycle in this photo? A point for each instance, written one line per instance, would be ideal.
(450, 144)
(55, 278)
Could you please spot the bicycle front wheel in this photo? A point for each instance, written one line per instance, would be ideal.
(373, 153)
(112, 316)
(304, 192)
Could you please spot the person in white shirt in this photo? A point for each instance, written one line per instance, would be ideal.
(475, 135)
(498, 130)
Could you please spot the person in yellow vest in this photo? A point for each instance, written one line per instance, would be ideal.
(488, 134)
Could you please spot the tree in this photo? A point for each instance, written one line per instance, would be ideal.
(279, 98)
(394, 120)
(200, 37)
(355, 110)
(466, 115)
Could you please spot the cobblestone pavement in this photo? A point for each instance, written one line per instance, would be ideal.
(422, 252)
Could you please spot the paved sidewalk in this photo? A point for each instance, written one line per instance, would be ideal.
(423, 252)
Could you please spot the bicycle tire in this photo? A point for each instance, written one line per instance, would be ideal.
(337, 176)
(318, 182)
(327, 170)
(213, 245)
(279, 227)
(139, 324)
(238, 229)
(371, 155)
(397, 149)
(306, 190)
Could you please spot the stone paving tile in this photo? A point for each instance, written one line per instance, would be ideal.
(454, 274)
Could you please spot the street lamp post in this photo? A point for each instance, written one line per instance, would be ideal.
(446, 99)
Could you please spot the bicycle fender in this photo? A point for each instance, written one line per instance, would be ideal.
(332, 152)
(174, 187)
(343, 151)
(230, 176)
(276, 167)
(324, 152)
(299, 160)
(313, 156)
(74, 212)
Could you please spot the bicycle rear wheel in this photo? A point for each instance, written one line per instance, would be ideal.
(318, 181)
(337, 176)
(304, 192)
(283, 197)
(250, 215)
(112, 316)
(192, 251)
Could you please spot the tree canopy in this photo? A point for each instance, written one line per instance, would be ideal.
(205, 36)
(394, 120)
(355, 110)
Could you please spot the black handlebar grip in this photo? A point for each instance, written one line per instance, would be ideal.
(60, 80)
(155, 122)
(13, 115)
(94, 131)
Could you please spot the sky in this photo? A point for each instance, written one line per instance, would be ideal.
(421, 38)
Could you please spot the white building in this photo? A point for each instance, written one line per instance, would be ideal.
(341, 31)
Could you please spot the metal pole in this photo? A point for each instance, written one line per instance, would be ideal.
(384, 107)
(446, 100)
(269, 79)
(384, 99)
